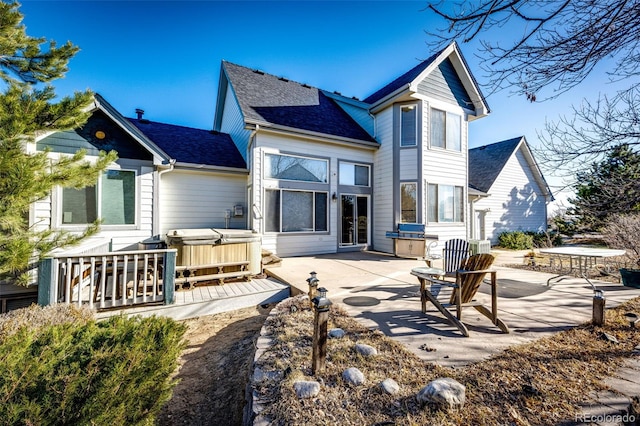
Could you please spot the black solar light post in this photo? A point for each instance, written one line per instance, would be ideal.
(321, 309)
(313, 285)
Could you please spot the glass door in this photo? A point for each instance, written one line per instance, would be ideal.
(354, 229)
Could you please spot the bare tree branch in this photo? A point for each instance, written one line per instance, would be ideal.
(569, 38)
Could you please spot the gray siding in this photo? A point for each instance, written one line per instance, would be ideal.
(233, 123)
(445, 85)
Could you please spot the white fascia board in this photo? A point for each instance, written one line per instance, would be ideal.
(534, 166)
(264, 126)
(390, 98)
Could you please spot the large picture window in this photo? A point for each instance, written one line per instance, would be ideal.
(113, 200)
(295, 211)
(408, 125)
(445, 203)
(408, 202)
(291, 167)
(446, 130)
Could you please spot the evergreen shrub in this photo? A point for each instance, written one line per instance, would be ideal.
(113, 372)
(515, 240)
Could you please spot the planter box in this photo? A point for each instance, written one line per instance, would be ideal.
(630, 277)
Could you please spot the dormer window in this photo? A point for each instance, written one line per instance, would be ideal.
(446, 130)
(408, 125)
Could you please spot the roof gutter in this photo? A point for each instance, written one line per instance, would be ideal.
(308, 134)
(209, 168)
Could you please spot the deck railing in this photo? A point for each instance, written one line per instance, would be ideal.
(108, 280)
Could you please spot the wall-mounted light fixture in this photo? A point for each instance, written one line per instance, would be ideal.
(334, 197)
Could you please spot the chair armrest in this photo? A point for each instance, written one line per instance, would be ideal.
(483, 271)
(434, 280)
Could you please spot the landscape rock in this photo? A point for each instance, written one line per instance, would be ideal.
(366, 350)
(390, 386)
(336, 333)
(306, 389)
(353, 376)
(259, 375)
(445, 392)
(609, 337)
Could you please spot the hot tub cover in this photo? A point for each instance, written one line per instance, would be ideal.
(202, 236)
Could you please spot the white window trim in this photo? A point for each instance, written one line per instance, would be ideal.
(437, 213)
(446, 114)
(57, 220)
(416, 199)
(412, 107)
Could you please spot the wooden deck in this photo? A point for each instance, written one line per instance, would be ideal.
(213, 299)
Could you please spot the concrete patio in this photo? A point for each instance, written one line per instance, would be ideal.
(379, 291)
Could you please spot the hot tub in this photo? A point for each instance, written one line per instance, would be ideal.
(208, 246)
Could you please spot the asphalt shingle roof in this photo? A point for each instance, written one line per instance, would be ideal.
(189, 145)
(486, 162)
(403, 80)
(265, 98)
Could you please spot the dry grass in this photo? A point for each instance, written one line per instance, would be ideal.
(540, 383)
(37, 317)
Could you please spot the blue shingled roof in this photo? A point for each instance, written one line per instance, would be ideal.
(265, 98)
(486, 162)
(189, 145)
(404, 80)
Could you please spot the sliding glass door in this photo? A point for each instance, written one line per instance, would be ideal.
(354, 221)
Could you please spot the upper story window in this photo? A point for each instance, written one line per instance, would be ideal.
(446, 130)
(408, 125)
(354, 174)
(112, 199)
(290, 167)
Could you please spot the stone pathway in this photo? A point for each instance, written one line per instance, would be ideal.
(611, 407)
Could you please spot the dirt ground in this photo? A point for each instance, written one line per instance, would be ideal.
(214, 369)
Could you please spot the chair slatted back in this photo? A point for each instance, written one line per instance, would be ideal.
(454, 253)
(469, 283)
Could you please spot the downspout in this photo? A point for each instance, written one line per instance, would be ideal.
(251, 205)
(156, 198)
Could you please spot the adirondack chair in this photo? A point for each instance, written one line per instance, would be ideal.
(468, 279)
(454, 253)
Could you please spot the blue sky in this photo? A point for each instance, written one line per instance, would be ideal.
(164, 57)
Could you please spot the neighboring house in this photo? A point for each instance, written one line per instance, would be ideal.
(166, 177)
(329, 173)
(511, 193)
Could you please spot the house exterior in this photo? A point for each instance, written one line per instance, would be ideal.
(328, 173)
(510, 191)
(310, 171)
